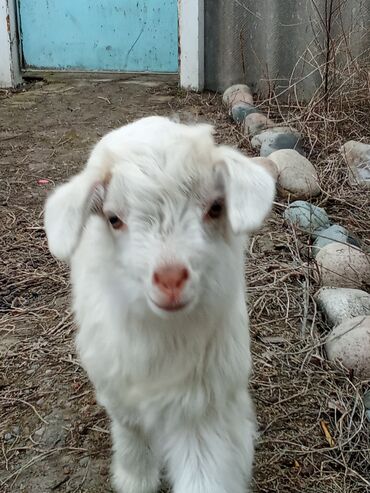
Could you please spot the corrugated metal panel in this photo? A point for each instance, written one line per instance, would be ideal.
(281, 43)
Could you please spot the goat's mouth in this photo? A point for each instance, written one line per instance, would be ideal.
(170, 307)
(164, 305)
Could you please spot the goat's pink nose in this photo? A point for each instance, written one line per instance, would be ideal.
(171, 279)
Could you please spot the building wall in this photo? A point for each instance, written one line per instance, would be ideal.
(281, 44)
(9, 60)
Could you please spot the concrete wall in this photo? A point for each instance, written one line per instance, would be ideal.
(10, 75)
(281, 43)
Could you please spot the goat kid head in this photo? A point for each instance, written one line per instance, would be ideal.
(171, 203)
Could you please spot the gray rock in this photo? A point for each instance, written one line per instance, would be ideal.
(257, 140)
(334, 233)
(343, 266)
(241, 110)
(357, 156)
(276, 138)
(281, 141)
(297, 176)
(255, 123)
(367, 399)
(8, 437)
(241, 97)
(339, 304)
(236, 94)
(307, 217)
(349, 342)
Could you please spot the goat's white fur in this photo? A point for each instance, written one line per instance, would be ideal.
(174, 385)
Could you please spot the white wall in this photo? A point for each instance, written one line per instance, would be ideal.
(10, 75)
(191, 28)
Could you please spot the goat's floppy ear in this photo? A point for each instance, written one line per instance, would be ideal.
(67, 209)
(250, 190)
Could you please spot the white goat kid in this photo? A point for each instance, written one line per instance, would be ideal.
(152, 228)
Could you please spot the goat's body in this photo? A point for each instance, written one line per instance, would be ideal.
(152, 227)
(169, 378)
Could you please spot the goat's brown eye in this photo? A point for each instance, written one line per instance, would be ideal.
(216, 209)
(115, 222)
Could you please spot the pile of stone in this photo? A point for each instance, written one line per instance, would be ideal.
(265, 135)
(344, 269)
(357, 157)
(282, 145)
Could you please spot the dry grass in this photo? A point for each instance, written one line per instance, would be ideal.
(300, 396)
(314, 435)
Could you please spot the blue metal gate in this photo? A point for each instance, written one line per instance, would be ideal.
(112, 35)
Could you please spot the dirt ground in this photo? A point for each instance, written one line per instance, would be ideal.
(54, 437)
